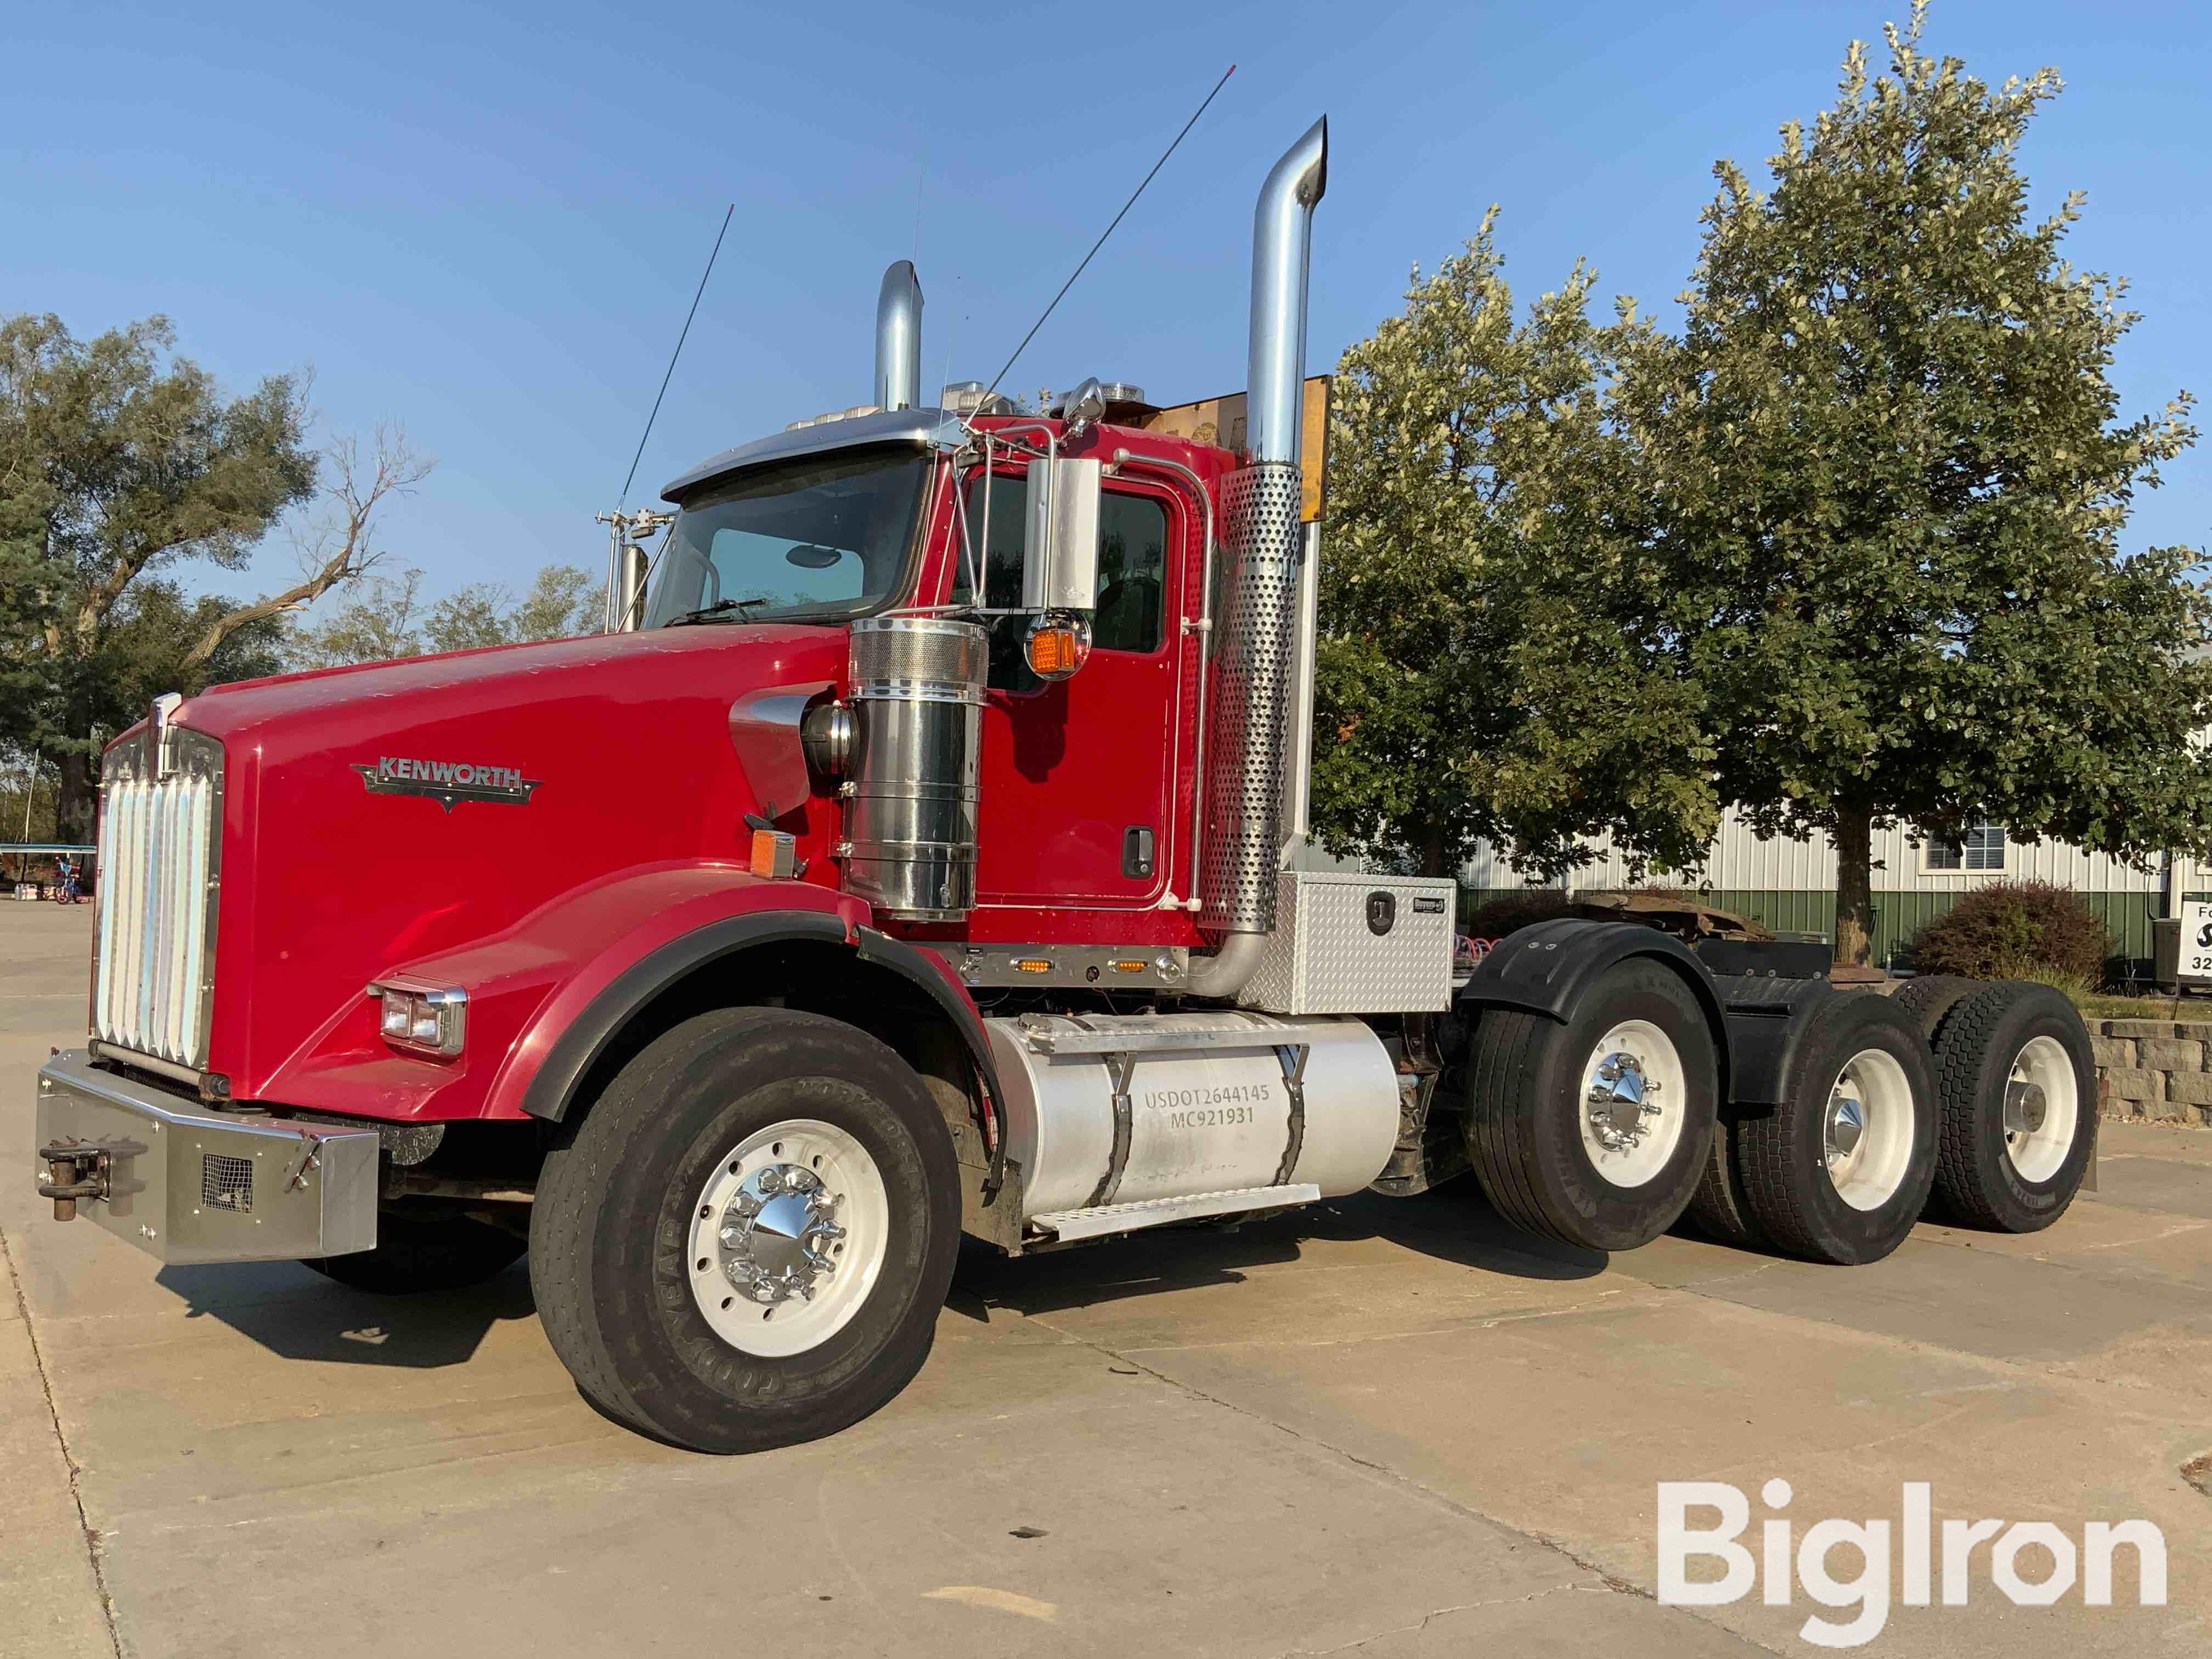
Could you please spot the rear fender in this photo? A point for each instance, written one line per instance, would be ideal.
(1767, 1020)
(1548, 969)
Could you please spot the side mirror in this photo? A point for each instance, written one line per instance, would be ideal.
(1084, 408)
(1059, 546)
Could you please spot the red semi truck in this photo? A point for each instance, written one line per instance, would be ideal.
(915, 861)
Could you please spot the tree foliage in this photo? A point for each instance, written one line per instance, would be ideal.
(121, 465)
(1488, 668)
(149, 633)
(118, 463)
(1886, 477)
(385, 616)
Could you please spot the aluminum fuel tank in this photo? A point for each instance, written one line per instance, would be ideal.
(1117, 1109)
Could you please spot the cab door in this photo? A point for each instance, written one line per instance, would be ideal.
(1077, 775)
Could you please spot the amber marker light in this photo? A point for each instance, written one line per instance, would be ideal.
(1057, 646)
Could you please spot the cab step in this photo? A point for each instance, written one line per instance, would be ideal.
(1068, 1224)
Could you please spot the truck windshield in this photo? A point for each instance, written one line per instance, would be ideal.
(825, 536)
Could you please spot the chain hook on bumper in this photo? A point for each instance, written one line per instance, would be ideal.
(80, 1168)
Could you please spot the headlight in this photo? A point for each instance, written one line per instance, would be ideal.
(427, 1019)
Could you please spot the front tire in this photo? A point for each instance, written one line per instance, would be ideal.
(1596, 1133)
(2018, 1086)
(1838, 1171)
(750, 1166)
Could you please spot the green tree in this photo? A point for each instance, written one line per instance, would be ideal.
(1487, 668)
(385, 618)
(153, 643)
(119, 462)
(379, 618)
(1886, 480)
(150, 636)
(561, 601)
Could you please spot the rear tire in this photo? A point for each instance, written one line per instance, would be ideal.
(1931, 998)
(1566, 1133)
(1718, 1210)
(415, 1254)
(2001, 1175)
(1838, 1171)
(750, 1166)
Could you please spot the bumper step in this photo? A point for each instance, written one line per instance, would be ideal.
(1068, 1224)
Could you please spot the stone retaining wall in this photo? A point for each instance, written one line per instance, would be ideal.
(2153, 1069)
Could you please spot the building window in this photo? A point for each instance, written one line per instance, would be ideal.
(1982, 850)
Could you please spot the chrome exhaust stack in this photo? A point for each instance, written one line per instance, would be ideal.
(898, 339)
(1250, 740)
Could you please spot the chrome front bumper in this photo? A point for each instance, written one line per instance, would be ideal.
(186, 1184)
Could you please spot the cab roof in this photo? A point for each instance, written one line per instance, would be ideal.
(923, 427)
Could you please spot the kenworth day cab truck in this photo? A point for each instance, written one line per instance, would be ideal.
(913, 861)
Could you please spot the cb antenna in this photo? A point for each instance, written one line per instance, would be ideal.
(1108, 231)
(672, 357)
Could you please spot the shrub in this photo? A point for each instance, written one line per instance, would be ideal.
(2016, 930)
(1501, 916)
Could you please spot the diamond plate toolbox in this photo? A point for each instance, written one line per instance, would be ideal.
(1349, 944)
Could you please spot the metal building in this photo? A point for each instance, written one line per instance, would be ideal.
(1791, 884)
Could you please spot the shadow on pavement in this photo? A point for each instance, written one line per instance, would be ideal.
(325, 1321)
(312, 1318)
(1451, 1223)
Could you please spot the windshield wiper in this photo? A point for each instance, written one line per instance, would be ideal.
(707, 612)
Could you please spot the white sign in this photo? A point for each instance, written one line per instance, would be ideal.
(2196, 941)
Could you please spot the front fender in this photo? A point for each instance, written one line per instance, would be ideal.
(529, 984)
(579, 1038)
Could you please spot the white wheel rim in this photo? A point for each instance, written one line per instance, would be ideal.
(777, 1266)
(2042, 1109)
(1867, 1129)
(1634, 1097)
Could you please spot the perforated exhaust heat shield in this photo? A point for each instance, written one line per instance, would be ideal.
(1247, 736)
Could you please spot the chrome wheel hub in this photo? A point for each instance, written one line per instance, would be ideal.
(1846, 1126)
(1620, 1101)
(1636, 1101)
(779, 1234)
(789, 1235)
(1870, 1128)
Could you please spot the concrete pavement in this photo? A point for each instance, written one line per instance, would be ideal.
(1393, 1427)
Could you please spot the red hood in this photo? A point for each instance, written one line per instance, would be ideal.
(377, 816)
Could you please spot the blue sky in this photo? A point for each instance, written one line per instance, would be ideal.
(485, 222)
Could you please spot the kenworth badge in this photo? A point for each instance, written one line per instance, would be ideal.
(445, 781)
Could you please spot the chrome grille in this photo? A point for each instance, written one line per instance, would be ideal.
(160, 827)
